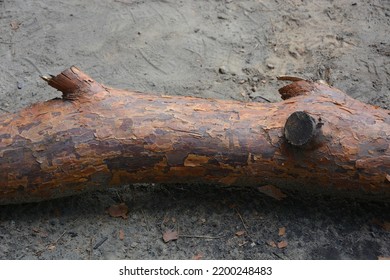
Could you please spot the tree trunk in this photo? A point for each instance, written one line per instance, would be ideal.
(317, 139)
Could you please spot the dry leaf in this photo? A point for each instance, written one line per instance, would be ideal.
(165, 220)
(118, 210)
(34, 229)
(272, 243)
(170, 235)
(121, 234)
(272, 191)
(282, 244)
(240, 232)
(198, 256)
(386, 226)
(383, 258)
(282, 231)
(379, 223)
(15, 25)
(228, 180)
(51, 247)
(39, 232)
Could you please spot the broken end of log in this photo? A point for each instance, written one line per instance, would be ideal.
(73, 83)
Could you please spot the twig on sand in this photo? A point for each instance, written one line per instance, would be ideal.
(289, 78)
(90, 248)
(58, 239)
(201, 236)
(100, 243)
(245, 227)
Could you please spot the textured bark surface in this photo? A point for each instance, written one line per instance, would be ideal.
(97, 137)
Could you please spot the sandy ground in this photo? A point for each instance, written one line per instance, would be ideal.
(221, 49)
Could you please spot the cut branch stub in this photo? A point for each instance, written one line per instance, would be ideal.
(300, 128)
(73, 83)
(297, 88)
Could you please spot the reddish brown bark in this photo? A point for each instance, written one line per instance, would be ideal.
(99, 137)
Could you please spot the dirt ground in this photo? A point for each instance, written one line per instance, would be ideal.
(222, 49)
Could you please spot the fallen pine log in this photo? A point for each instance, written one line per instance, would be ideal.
(317, 139)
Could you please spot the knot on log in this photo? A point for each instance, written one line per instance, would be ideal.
(300, 128)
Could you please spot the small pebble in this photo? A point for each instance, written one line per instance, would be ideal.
(222, 70)
(270, 66)
(19, 84)
(221, 16)
(226, 78)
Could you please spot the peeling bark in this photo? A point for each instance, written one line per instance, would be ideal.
(97, 137)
